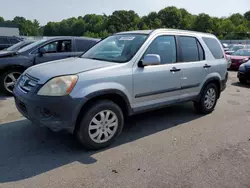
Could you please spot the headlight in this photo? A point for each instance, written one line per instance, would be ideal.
(243, 60)
(242, 67)
(59, 86)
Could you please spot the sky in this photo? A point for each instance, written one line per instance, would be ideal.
(56, 10)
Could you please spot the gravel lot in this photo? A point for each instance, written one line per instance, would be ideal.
(172, 147)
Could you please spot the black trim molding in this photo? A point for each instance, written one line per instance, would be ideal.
(165, 91)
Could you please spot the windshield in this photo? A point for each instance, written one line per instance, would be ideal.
(235, 48)
(30, 46)
(242, 52)
(14, 47)
(18, 45)
(116, 48)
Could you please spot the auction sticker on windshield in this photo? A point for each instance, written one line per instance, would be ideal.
(127, 38)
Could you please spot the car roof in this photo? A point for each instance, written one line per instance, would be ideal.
(71, 37)
(179, 31)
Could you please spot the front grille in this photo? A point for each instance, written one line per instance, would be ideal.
(234, 61)
(27, 83)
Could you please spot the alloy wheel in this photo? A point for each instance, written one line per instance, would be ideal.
(210, 98)
(103, 126)
(10, 80)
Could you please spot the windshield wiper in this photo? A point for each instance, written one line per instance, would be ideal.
(99, 59)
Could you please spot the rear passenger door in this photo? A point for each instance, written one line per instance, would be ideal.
(194, 67)
(82, 45)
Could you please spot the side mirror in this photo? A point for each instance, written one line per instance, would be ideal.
(151, 59)
(41, 51)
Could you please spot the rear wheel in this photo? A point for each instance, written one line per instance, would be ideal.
(8, 80)
(208, 99)
(101, 125)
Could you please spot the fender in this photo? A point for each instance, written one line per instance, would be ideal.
(21, 61)
(107, 92)
(100, 93)
(212, 79)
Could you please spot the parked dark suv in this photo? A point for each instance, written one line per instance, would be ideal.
(6, 41)
(13, 63)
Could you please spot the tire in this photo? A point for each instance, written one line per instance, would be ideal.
(6, 78)
(242, 81)
(83, 133)
(201, 106)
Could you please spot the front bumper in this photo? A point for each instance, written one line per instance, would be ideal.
(56, 113)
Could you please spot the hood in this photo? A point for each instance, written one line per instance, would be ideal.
(7, 53)
(239, 57)
(229, 52)
(45, 71)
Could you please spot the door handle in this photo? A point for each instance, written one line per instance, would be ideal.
(206, 66)
(174, 69)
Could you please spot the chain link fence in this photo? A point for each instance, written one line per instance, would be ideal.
(236, 41)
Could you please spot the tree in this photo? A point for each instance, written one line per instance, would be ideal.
(123, 20)
(237, 19)
(95, 23)
(247, 15)
(203, 23)
(227, 26)
(51, 29)
(79, 27)
(27, 27)
(236, 26)
(187, 19)
(170, 17)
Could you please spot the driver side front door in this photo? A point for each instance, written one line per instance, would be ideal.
(158, 85)
(55, 50)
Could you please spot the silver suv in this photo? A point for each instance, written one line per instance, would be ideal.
(124, 74)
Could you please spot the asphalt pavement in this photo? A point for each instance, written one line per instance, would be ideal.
(172, 147)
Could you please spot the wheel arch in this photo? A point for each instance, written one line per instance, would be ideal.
(114, 95)
(22, 68)
(216, 80)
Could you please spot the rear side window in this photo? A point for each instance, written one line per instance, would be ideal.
(214, 47)
(4, 40)
(191, 49)
(84, 45)
(13, 41)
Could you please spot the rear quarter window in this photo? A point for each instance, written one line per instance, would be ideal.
(84, 45)
(214, 47)
(13, 41)
(4, 40)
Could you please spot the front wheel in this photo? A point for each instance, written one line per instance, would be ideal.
(8, 80)
(101, 125)
(208, 99)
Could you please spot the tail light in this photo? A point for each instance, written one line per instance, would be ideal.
(226, 56)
